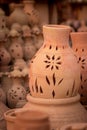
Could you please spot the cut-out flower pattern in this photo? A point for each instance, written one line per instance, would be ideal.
(52, 62)
(82, 62)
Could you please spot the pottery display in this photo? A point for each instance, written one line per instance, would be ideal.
(51, 67)
(79, 45)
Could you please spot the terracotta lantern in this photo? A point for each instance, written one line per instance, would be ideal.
(54, 79)
(51, 72)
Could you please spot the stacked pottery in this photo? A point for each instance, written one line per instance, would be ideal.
(54, 79)
(79, 45)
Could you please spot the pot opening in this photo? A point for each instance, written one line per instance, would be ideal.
(57, 26)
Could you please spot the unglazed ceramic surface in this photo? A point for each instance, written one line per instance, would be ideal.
(54, 71)
(31, 120)
(79, 45)
(61, 111)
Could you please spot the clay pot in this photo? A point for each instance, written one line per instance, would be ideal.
(51, 71)
(10, 117)
(61, 111)
(32, 120)
(26, 119)
(16, 93)
(79, 45)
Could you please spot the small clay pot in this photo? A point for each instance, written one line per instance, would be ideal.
(31, 120)
(10, 117)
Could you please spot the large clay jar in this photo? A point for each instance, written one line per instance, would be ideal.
(31, 120)
(79, 45)
(54, 72)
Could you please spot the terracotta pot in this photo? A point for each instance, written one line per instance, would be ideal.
(61, 111)
(74, 126)
(10, 117)
(32, 120)
(79, 45)
(54, 72)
